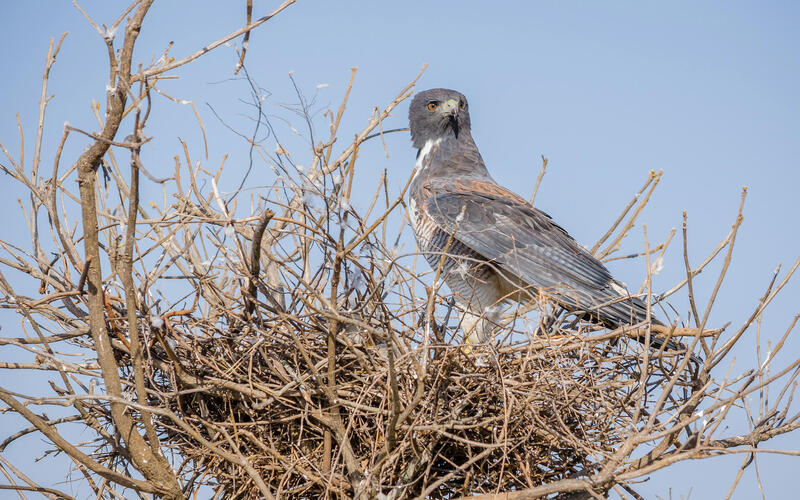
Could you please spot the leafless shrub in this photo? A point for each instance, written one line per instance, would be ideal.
(294, 353)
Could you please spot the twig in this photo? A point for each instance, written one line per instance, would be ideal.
(246, 40)
(539, 179)
(255, 258)
(208, 48)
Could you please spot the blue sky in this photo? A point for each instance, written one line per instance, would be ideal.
(706, 91)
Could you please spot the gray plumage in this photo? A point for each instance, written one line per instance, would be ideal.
(501, 248)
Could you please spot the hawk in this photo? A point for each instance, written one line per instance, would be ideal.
(492, 246)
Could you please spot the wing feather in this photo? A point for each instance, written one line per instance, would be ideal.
(525, 243)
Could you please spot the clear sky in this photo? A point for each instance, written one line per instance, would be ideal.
(706, 91)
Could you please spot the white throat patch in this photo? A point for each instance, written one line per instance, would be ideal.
(426, 149)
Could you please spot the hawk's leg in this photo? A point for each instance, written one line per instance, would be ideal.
(478, 327)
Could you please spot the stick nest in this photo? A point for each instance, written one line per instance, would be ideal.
(310, 356)
(504, 416)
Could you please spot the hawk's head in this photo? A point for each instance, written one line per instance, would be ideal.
(437, 114)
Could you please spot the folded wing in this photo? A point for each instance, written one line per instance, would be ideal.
(525, 245)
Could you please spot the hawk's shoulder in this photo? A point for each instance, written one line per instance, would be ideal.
(489, 202)
(506, 229)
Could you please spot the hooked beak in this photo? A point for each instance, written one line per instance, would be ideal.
(450, 107)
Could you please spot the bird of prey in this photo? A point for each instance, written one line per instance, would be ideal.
(493, 247)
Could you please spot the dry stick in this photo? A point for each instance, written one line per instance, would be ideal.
(721, 445)
(717, 397)
(48, 352)
(246, 39)
(185, 427)
(631, 492)
(255, 258)
(50, 433)
(364, 235)
(391, 433)
(88, 18)
(382, 133)
(726, 262)
(404, 94)
(689, 278)
(786, 387)
(39, 489)
(624, 232)
(708, 364)
(720, 353)
(697, 270)
(734, 229)
(66, 242)
(142, 457)
(381, 183)
(339, 114)
(766, 363)
(432, 291)
(568, 342)
(333, 326)
(7, 365)
(131, 302)
(227, 214)
(113, 28)
(193, 179)
(668, 436)
(745, 380)
(5, 464)
(432, 487)
(28, 430)
(329, 167)
(625, 211)
(351, 169)
(331, 374)
(746, 390)
(49, 339)
(98, 137)
(55, 296)
(84, 274)
(208, 48)
(262, 487)
(539, 492)
(645, 361)
(196, 115)
(43, 100)
(210, 382)
(658, 248)
(539, 179)
(60, 366)
(21, 145)
(661, 249)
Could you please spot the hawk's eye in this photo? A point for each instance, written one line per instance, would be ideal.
(433, 105)
(462, 105)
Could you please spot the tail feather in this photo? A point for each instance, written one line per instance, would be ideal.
(632, 311)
